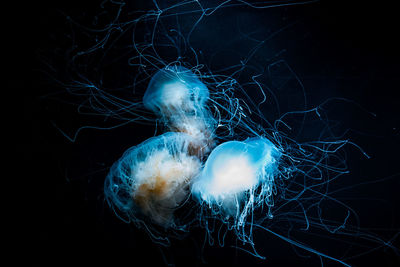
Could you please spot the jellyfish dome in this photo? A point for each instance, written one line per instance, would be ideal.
(175, 89)
(151, 180)
(233, 169)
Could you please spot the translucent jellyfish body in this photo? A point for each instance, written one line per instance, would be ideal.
(179, 98)
(175, 89)
(151, 180)
(233, 172)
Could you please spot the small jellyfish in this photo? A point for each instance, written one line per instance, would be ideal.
(179, 98)
(174, 90)
(234, 170)
(152, 179)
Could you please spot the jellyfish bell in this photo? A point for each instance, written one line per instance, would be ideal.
(152, 179)
(175, 89)
(234, 170)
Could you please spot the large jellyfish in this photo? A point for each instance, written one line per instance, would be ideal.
(237, 177)
(151, 180)
(235, 167)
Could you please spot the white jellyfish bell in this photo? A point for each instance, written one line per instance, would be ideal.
(175, 89)
(233, 171)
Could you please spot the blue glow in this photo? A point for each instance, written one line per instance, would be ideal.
(235, 168)
(179, 98)
(175, 89)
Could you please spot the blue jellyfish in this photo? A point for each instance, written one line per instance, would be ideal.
(175, 89)
(237, 176)
(179, 98)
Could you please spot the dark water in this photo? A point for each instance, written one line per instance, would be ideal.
(336, 49)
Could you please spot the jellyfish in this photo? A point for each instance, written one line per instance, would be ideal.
(152, 179)
(179, 98)
(175, 89)
(233, 172)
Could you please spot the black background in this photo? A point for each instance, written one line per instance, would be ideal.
(350, 47)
